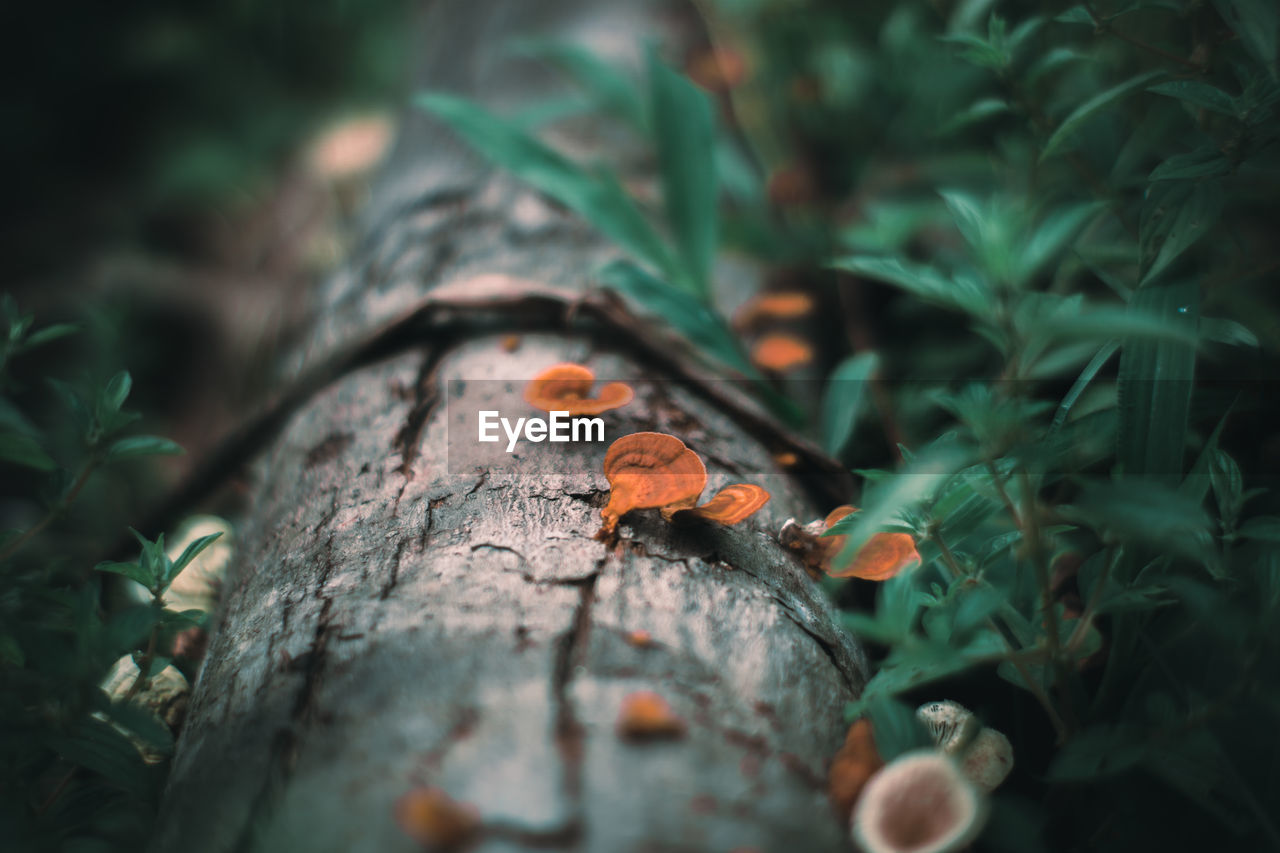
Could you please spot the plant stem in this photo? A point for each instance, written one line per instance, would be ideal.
(1104, 26)
(1015, 655)
(15, 545)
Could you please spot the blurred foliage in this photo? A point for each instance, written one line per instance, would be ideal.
(125, 116)
(72, 762)
(1057, 223)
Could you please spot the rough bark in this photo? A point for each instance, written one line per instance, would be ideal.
(407, 610)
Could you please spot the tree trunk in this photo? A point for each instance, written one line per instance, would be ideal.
(412, 608)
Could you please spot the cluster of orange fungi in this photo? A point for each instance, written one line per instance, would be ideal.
(567, 388)
(653, 470)
(775, 351)
(884, 556)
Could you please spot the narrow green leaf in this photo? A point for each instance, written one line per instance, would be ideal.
(1256, 22)
(26, 451)
(1197, 94)
(116, 391)
(965, 294)
(611, 89)
(1052, 236)
(1206, 162)
(143, 445)
(844, 398)
(978, 111)
(682, 126)
(1091, 108)
(49, 334)
(1155, 384)
(896, 727)
(598, 198)
(1174, 217)
(133, 571)
(188, 554)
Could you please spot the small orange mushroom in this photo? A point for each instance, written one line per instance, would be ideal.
(567, 388)
(646, 716)
(779, 305)
(435, 820)
(730, 505)
(649, 470)
(781, 352)
(639, 638)
(510, 343)
(884, 556)
(855, 763)
(717, 70)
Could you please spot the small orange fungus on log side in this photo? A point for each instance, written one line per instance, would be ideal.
(852, 766)
(646, 716)
(567, 388)
(435, 820)
(781, 352)
(779, 305)
(884, 556)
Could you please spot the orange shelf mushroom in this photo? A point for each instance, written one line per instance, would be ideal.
(646, 716)
(884, 556)
(435, 820)
(653, 470)
(567, 388)
(855, 763)
(780, 353)
(730, 505)
(779, 305)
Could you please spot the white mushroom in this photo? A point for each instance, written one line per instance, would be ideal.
(985, 755)
(918, 803)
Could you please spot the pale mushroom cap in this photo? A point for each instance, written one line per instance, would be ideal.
(919, 803)
(952, 725)
(988, 760)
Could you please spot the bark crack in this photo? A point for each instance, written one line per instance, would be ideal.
(569, 733)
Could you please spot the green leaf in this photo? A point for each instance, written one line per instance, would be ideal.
(98, 746)
(1155, 385)
(116, 391)
(896, 727)
(143, 445)
(133, 571)
(1091, 108)
(188, 554)
(48, 334)
(26, 451)
(1146, 513)
(1053, 235)
(1197, 94)
(843, 400)
(1256, 22)
(961, 293)
(1262, 528)
(1206, 162)
(685, 136)
(608, 86)
(978, 111)
(1174, 217)
(915, 483)
(597, 198)
(1103, 750)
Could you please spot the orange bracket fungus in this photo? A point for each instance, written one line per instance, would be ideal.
(780, 305)
(730, 505)
(852, 766)
(435, 820)
(884, 556)
(780, 353)
(646, 716)
(567, 388)
(920, 802)
(653, 470)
